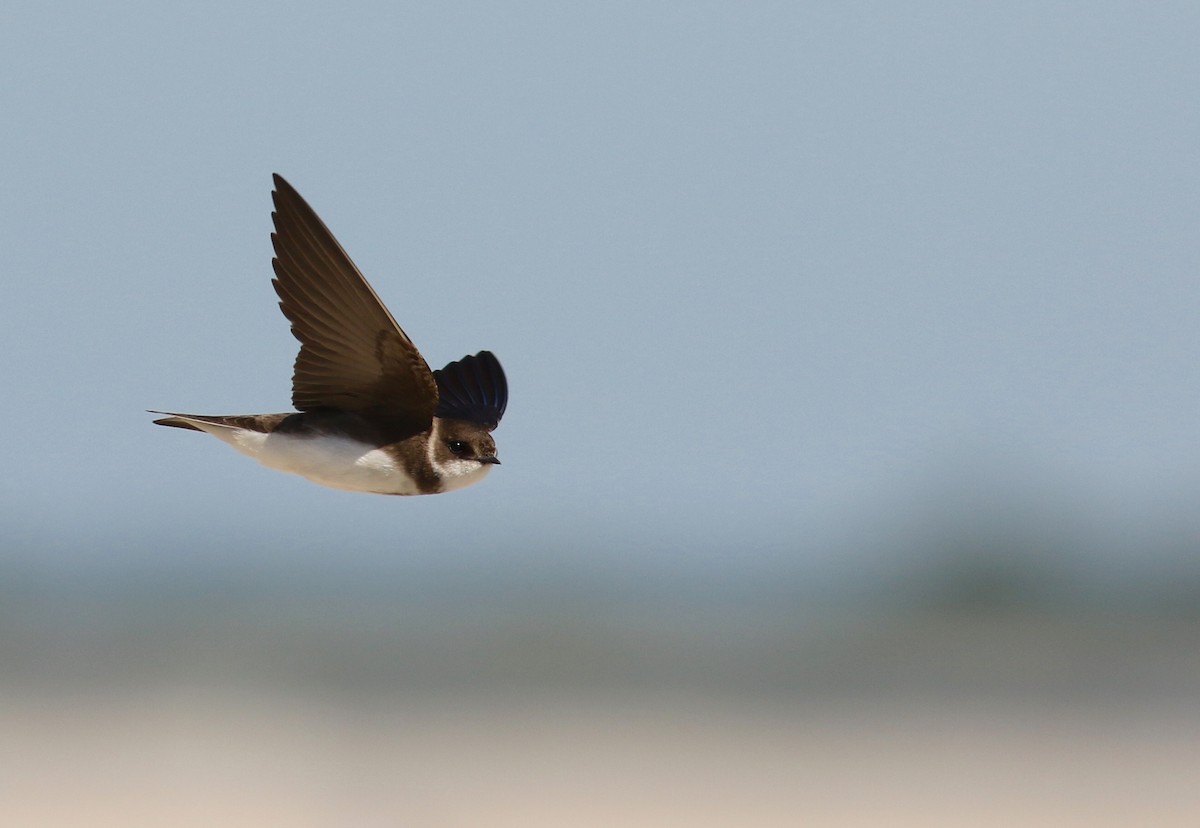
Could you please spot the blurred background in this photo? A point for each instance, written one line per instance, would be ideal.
(851, 463)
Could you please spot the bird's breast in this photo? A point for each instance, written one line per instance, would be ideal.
(340, 463)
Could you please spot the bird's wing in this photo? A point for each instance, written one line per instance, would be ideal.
(474, 389)
(353, 356)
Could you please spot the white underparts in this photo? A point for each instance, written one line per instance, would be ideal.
(330, 461)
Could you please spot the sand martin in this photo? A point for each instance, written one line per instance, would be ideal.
(371, 415)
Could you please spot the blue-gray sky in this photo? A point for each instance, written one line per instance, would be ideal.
(771, 282)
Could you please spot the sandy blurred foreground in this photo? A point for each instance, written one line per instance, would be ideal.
(183, 757)
(253, 718)
(394, 702)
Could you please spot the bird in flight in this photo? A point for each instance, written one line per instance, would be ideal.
(371, 416)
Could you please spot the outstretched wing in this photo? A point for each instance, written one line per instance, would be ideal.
(474, 389)
(353, 356)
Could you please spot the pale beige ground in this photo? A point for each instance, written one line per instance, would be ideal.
(184, 757)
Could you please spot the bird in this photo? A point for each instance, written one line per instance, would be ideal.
(370, 414)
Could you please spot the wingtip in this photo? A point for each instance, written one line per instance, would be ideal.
(283, 188)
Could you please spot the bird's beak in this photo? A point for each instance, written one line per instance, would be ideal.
(491, 458)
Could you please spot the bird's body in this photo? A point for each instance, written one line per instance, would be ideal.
(341, 451)
(373, 417)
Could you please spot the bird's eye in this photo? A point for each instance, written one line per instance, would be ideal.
(457, 447)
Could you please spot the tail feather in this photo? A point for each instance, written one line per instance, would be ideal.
(196, 422)
(177, 422)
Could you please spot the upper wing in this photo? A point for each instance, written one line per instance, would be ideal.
(353, 356)
(474, 389)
